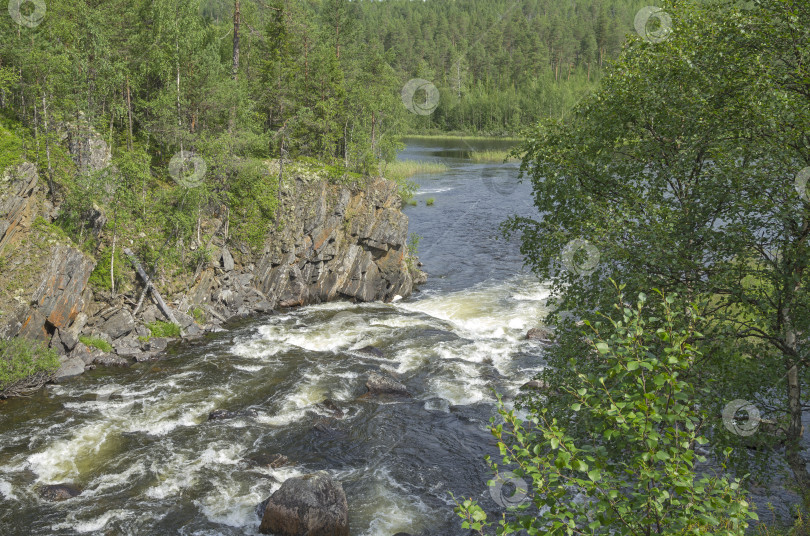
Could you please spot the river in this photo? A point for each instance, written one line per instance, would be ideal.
(139, 444)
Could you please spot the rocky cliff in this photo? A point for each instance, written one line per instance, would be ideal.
(331, 242)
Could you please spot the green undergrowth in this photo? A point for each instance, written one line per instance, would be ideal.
(11, 145)
(159, 329)
(101, 278)
(22, 358)
(95, 342)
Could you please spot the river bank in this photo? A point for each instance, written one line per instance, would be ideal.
(331, 239)
(137, 441)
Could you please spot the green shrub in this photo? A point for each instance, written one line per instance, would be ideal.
(430, 202)
(163, 329)
(413, 246)
(636, 471)
(95, 342)
(11, 148)
(42, 225)
(199, 315)
(252, 199)
(100, 278)
(22, 358)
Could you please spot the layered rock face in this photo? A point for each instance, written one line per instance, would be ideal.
(51, 277)
(335, 243)
(18, 206)
(331, 242)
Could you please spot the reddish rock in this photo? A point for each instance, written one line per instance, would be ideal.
(60, 296)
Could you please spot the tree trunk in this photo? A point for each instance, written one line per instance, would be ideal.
(112, 261)
(794, 390)
(129, 116)
(48, 148)
(235, 65)
(177, 66)
(373, 133)
(236, 20)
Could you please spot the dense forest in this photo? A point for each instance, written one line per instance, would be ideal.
(235, 83)
(323, 77)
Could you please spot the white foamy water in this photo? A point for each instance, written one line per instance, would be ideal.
(298, 360)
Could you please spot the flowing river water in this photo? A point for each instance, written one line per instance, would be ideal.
(138, 442)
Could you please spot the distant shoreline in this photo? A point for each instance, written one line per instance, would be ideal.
(459, 136)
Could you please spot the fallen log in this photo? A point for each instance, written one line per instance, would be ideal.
(158, 298)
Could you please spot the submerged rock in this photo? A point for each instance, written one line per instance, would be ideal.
(372, 351)
(380, 384)
(222, 414)
(311, 505)
(330, 406)
(270, 461)
(59, 492)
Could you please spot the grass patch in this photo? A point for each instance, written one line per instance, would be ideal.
(42, 225)
(492, 156)
(95, 342)
(430, 202)
(403, 169)
(198, 315)
(20, 359)
(163, 329)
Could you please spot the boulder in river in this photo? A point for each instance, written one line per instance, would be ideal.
(311, 505)
(330, 406)
(70, 368)
(540, 334)
(59, 492)
(540, 387)
(222, 414)
(372, 351)
(534, 385)
(380, 384)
